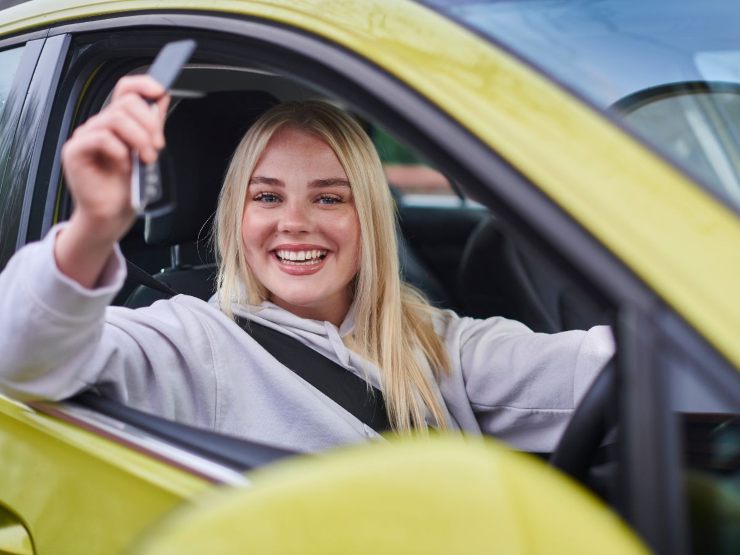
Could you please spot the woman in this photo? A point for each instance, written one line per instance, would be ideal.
(306, 245)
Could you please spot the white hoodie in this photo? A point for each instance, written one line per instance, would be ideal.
(185, 360)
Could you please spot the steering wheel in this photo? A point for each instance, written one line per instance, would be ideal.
(592, 420)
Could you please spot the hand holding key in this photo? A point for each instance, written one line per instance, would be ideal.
(106, 159)
(97, 167)
(97, 158)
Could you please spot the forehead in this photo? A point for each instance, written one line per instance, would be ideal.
(291, 148)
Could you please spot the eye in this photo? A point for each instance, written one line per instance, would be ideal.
(329, 199)
(266, 198)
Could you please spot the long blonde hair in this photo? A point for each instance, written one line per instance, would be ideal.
(393, 322)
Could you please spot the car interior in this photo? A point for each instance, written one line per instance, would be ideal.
(462, 254)
(457, 252)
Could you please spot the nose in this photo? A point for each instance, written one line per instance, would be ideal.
(295, 217)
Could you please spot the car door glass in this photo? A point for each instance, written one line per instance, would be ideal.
(708, 421)
(9, 61)
(414, 180)
(11, 102)
(697, 124)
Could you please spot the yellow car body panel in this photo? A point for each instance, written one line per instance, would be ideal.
(438, 496)
(54, 473)
(673, 235)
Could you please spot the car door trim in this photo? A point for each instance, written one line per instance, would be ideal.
(142, 442)
(19, 40)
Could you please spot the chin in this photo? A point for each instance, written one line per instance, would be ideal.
(298, 299)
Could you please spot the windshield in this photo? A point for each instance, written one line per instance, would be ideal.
(669, 68)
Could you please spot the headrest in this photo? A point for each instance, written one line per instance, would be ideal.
(201, 137)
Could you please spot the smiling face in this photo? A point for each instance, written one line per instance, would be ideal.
(300, 229)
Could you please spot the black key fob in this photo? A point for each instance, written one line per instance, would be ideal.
(149, 196)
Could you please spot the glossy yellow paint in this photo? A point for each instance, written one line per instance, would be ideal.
(77, 492)
(675, 237)
(435, 496)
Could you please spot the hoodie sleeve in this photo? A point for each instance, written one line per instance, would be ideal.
(523, 386)
(58, 338)
(49, 320)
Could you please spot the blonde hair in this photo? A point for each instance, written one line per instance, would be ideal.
(393, 322)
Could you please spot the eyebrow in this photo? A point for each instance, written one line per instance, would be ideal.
(333, 182)
(330, 182)
(259, 180)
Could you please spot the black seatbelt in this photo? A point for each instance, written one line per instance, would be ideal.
(351, 392)
(142, 277)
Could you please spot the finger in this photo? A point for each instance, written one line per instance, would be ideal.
(147, 115)
(101, 145)
(129, 130)
(163, 104)
(143, 85)
(133, 106)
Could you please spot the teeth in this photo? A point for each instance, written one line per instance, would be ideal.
(300, 256)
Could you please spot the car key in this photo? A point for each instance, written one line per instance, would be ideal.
(148, 194)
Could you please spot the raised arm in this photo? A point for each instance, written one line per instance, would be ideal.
(97, 167)
(53, 294)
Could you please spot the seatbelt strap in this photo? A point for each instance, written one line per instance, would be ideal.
(142, 277)
(349, 391)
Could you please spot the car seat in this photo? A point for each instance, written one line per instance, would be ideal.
(201, 137)
(501, 277)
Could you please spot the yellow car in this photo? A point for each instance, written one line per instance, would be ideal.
(561, 163)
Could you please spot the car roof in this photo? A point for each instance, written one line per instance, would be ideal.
(677, 238)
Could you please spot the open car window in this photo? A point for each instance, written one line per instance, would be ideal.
(474, 258)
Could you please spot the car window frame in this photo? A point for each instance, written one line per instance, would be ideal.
(515, 192)
(35, 121)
